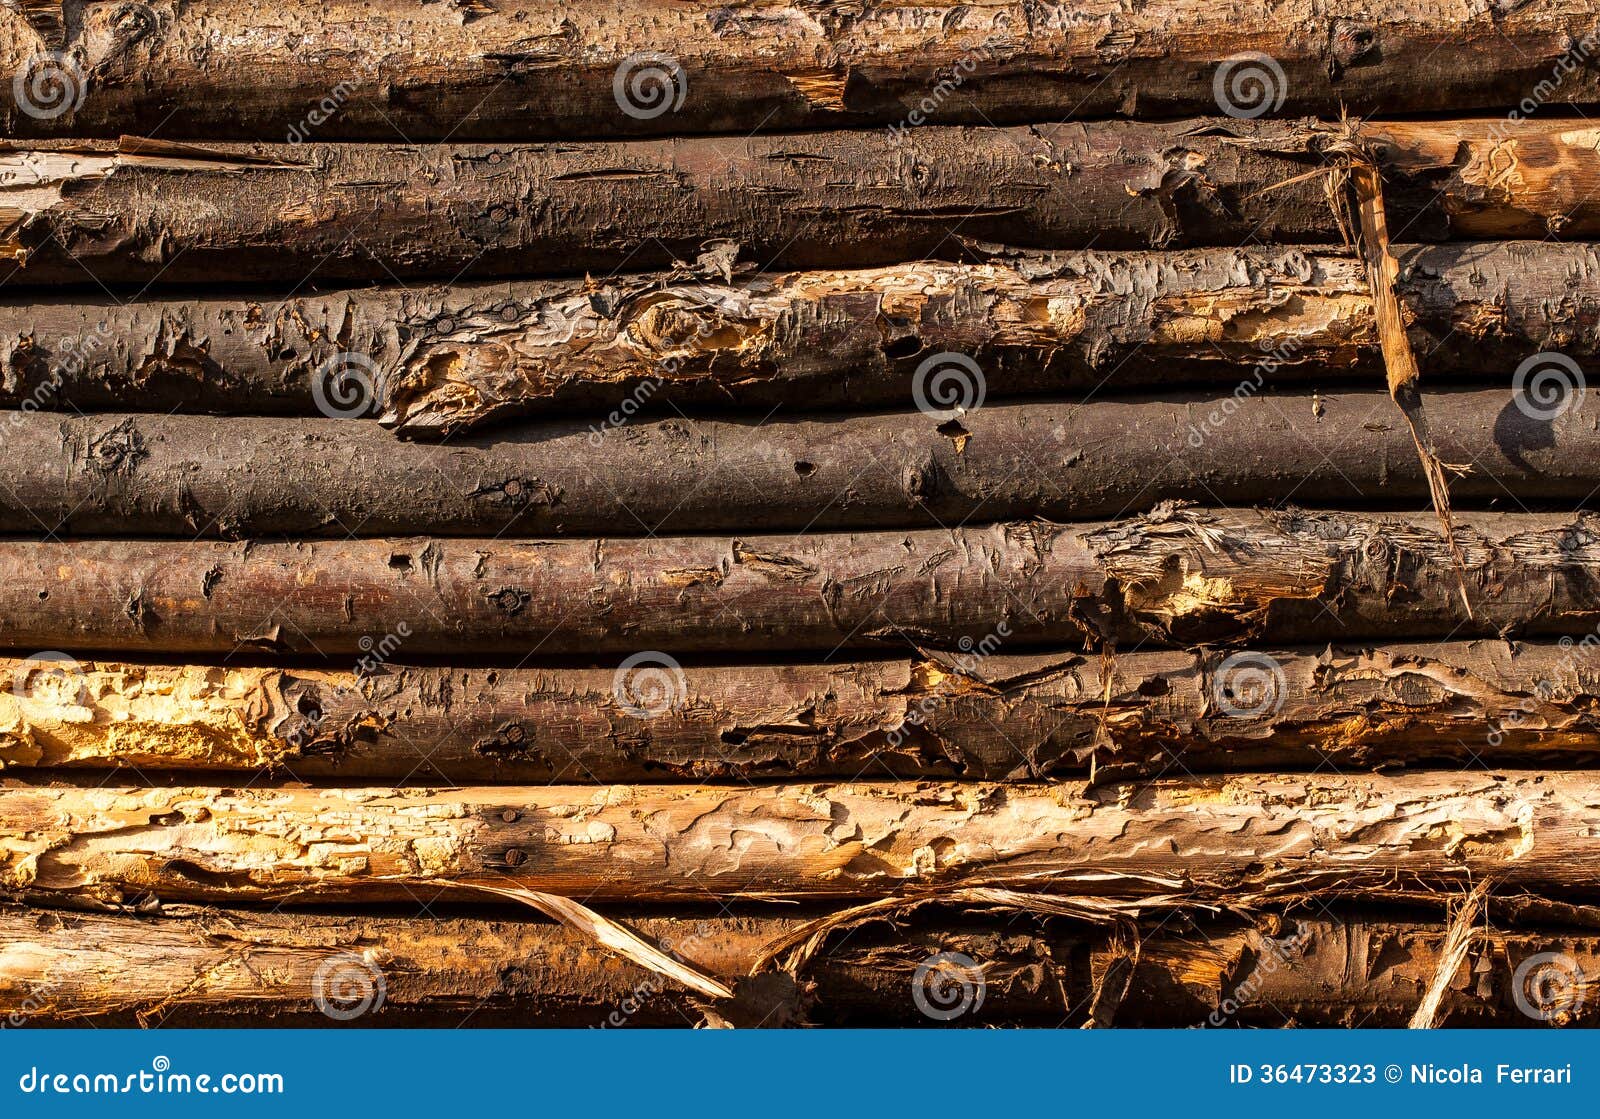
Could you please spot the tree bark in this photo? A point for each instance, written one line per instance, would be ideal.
(975, 717)
(1177, 576)
(438, 360)
(1231, 838)
(494, 70)
(238, 478)
(219, 968)
(140, 212)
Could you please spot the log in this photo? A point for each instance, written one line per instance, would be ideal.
(203, 968)
(440, 359)
(1178, 576)
(141, 212)
(997, 717)
(1230, 838)
(499, 70)
(246, 477)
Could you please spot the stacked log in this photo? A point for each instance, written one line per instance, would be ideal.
(915, 515)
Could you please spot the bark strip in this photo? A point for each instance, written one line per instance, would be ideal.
(976, 717)
(492, 70)
(213, 968)
(1178, 576)
(152, 475)
(444, 359)
(139, 212)
(1228, 838)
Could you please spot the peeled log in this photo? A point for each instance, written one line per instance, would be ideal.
(138, 211)
(151, 475)
(444, 359)
(394, 70)
(1228, 838)
(974, 717)
(1179, 576)
(240, 968)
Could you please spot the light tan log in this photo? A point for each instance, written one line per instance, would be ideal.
(1178, 576)
(141, 212)
(991, 717)
(1224, 837)
(244, 968)
(496, 69)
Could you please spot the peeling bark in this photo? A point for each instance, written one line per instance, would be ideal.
(1226, 837)
(990, 717)
(442, 359)
(141, 212)
(1178, 576)
(495, 69)
(214, 968)
(190, 477)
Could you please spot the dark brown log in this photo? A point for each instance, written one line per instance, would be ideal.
(970, 716)
(1178, 576)
(1232, 839)
(440, 359)
(240, 968)
(397, 71)
(249, 477)
(140, 212)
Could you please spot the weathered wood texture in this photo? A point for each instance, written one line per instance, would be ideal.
(396, 71)
(442, 359)
(214, 968)
(1220, 837)
(151, 475)
(1176, 576)
(139, 212)
(976, 717)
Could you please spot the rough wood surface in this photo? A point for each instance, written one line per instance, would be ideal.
(437, 359)
(1221, 837)
(150, 475)
(397, 71)
(212, 968)
(138, 212)
(976, 717)
(1175, 576)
